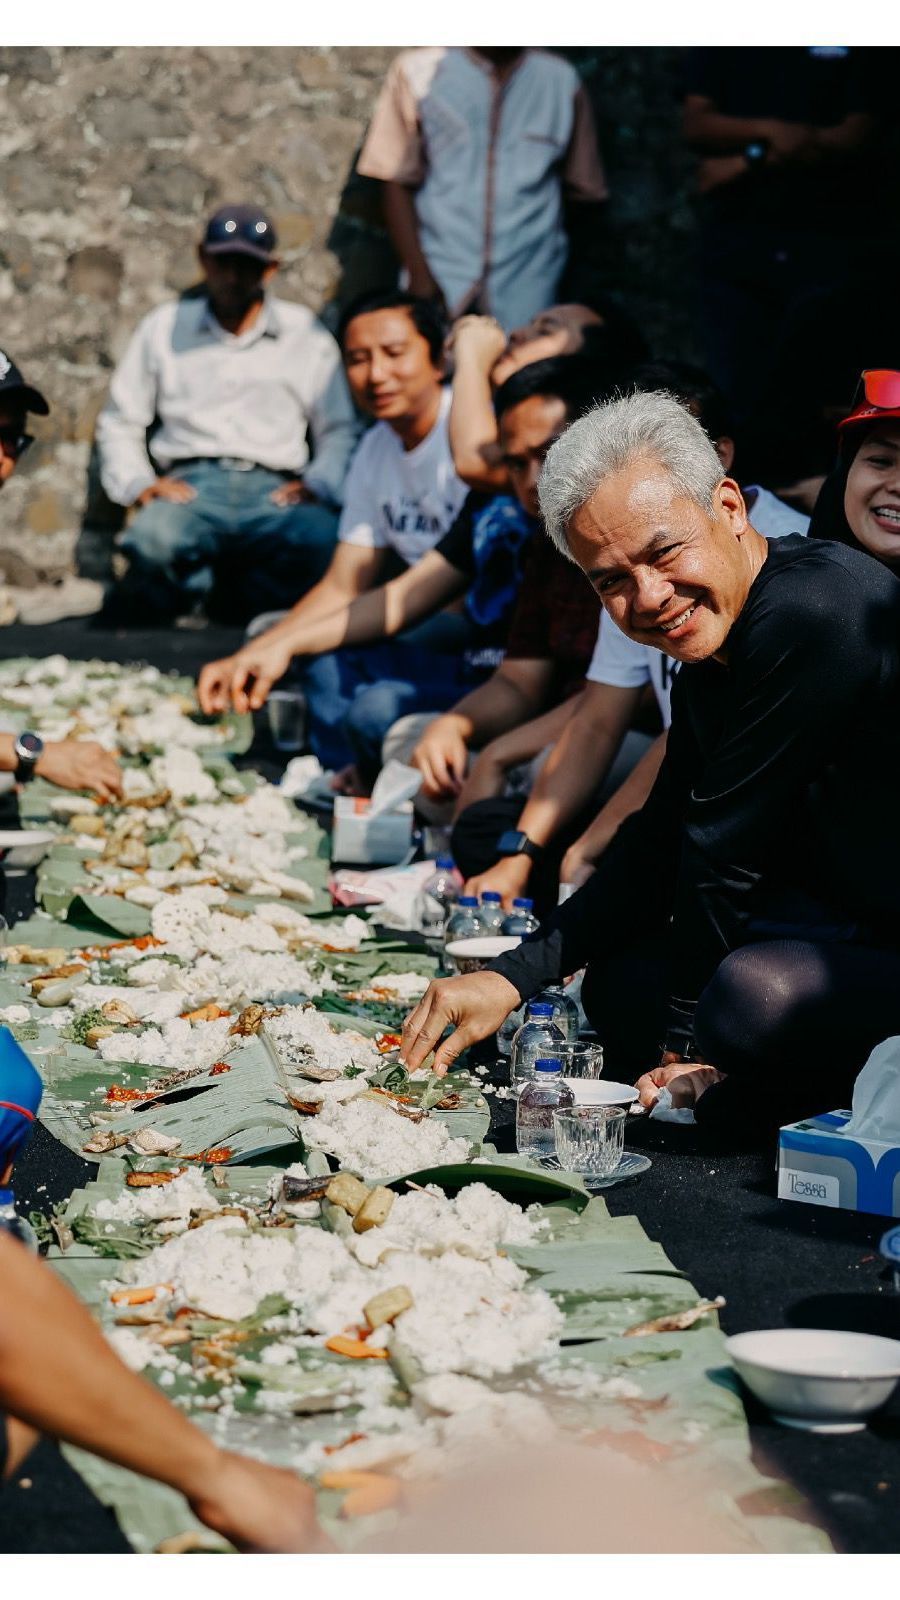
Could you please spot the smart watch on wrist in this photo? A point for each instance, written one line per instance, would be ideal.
(515, 843)
(28, 749)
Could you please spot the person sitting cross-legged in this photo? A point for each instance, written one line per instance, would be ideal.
(238, 490)
(402, 497)
(740, 932)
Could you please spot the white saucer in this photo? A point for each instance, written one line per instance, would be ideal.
(601, 1092)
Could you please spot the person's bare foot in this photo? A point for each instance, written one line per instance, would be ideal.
(349, 782)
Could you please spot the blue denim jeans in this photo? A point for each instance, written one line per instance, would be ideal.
(258, 555)
(354, 695)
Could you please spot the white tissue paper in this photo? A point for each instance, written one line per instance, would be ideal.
(395, 784)
(875, 1113)
(664, 1111)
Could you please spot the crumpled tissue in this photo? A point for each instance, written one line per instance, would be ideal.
(875, 1110)
(664, 1111)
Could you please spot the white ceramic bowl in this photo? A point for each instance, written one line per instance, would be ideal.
(21, 848)
(601, 1092)
(816, 1378)
(473, 955)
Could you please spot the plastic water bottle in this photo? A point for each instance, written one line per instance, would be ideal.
(564, 1009)
(491, 913)
(464, 922)
(436, 898)
(547, 1092)
(538, 1038)
(13, 1225)
(520, 921)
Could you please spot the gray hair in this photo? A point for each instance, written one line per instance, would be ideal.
(610, 436)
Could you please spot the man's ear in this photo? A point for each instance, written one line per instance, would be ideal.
(730, 502)
(724, 448)
(270, 270)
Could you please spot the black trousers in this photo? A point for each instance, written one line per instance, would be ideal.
(791, 1021)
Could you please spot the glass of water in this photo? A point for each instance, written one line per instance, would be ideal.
(589, 1140)
(584, 1059)
(287, 718)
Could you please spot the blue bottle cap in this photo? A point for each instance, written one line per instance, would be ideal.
(540, 1008)
(490, 898)
(446, 863)
(548, 1064)
(526, 905)
(467, 900)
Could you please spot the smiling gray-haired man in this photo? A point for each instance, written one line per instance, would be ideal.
(740, 931)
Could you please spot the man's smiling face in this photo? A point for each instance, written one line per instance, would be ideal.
(669, 573)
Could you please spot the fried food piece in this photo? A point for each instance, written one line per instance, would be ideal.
(375, 1210)
(385, 1307)
(347, 1192)
(357, 1349)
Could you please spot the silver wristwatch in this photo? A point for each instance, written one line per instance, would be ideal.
(28, 749)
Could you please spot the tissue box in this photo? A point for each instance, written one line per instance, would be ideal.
(383, 840)
(821, 1166)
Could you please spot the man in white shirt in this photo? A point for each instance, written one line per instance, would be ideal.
(402, 495)
(253, 433)
(477, 149)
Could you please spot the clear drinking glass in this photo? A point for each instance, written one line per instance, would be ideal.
(589, 1140)
(287, 718)
(584, 1059)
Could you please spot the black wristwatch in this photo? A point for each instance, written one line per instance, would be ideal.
(755, 152)
(515, 843)
(28, 749)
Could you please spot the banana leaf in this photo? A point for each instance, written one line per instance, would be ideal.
(108, 914)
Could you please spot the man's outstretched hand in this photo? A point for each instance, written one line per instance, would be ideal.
(262, 1509)
(81, 764)
(474, 1006)
(242, 680)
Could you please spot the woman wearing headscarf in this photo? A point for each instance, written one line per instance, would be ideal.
(860, 501)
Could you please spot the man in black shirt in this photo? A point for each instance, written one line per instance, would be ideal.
(741, 928)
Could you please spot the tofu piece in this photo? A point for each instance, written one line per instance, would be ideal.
(94, 1035)
(347, 1192)
(386, 1306)
(375, 1210)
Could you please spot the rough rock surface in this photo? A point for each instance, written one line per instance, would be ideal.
(111, 157)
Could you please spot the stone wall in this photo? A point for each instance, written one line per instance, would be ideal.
(112, 157)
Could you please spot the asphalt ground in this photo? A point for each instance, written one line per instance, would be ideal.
(714, 1210)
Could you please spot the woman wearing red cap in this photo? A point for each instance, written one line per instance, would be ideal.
(860, 502)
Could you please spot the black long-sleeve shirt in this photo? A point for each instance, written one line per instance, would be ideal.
(782, 771)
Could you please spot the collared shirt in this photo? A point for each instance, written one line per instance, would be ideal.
(255, 395)
(488, 160)
(402, 500)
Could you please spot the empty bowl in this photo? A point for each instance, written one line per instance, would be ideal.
(819, 1379)
(22, 848)
(473, 955)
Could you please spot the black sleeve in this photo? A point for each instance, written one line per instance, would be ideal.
(630, 894)
(806, 655)
(457, 543)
